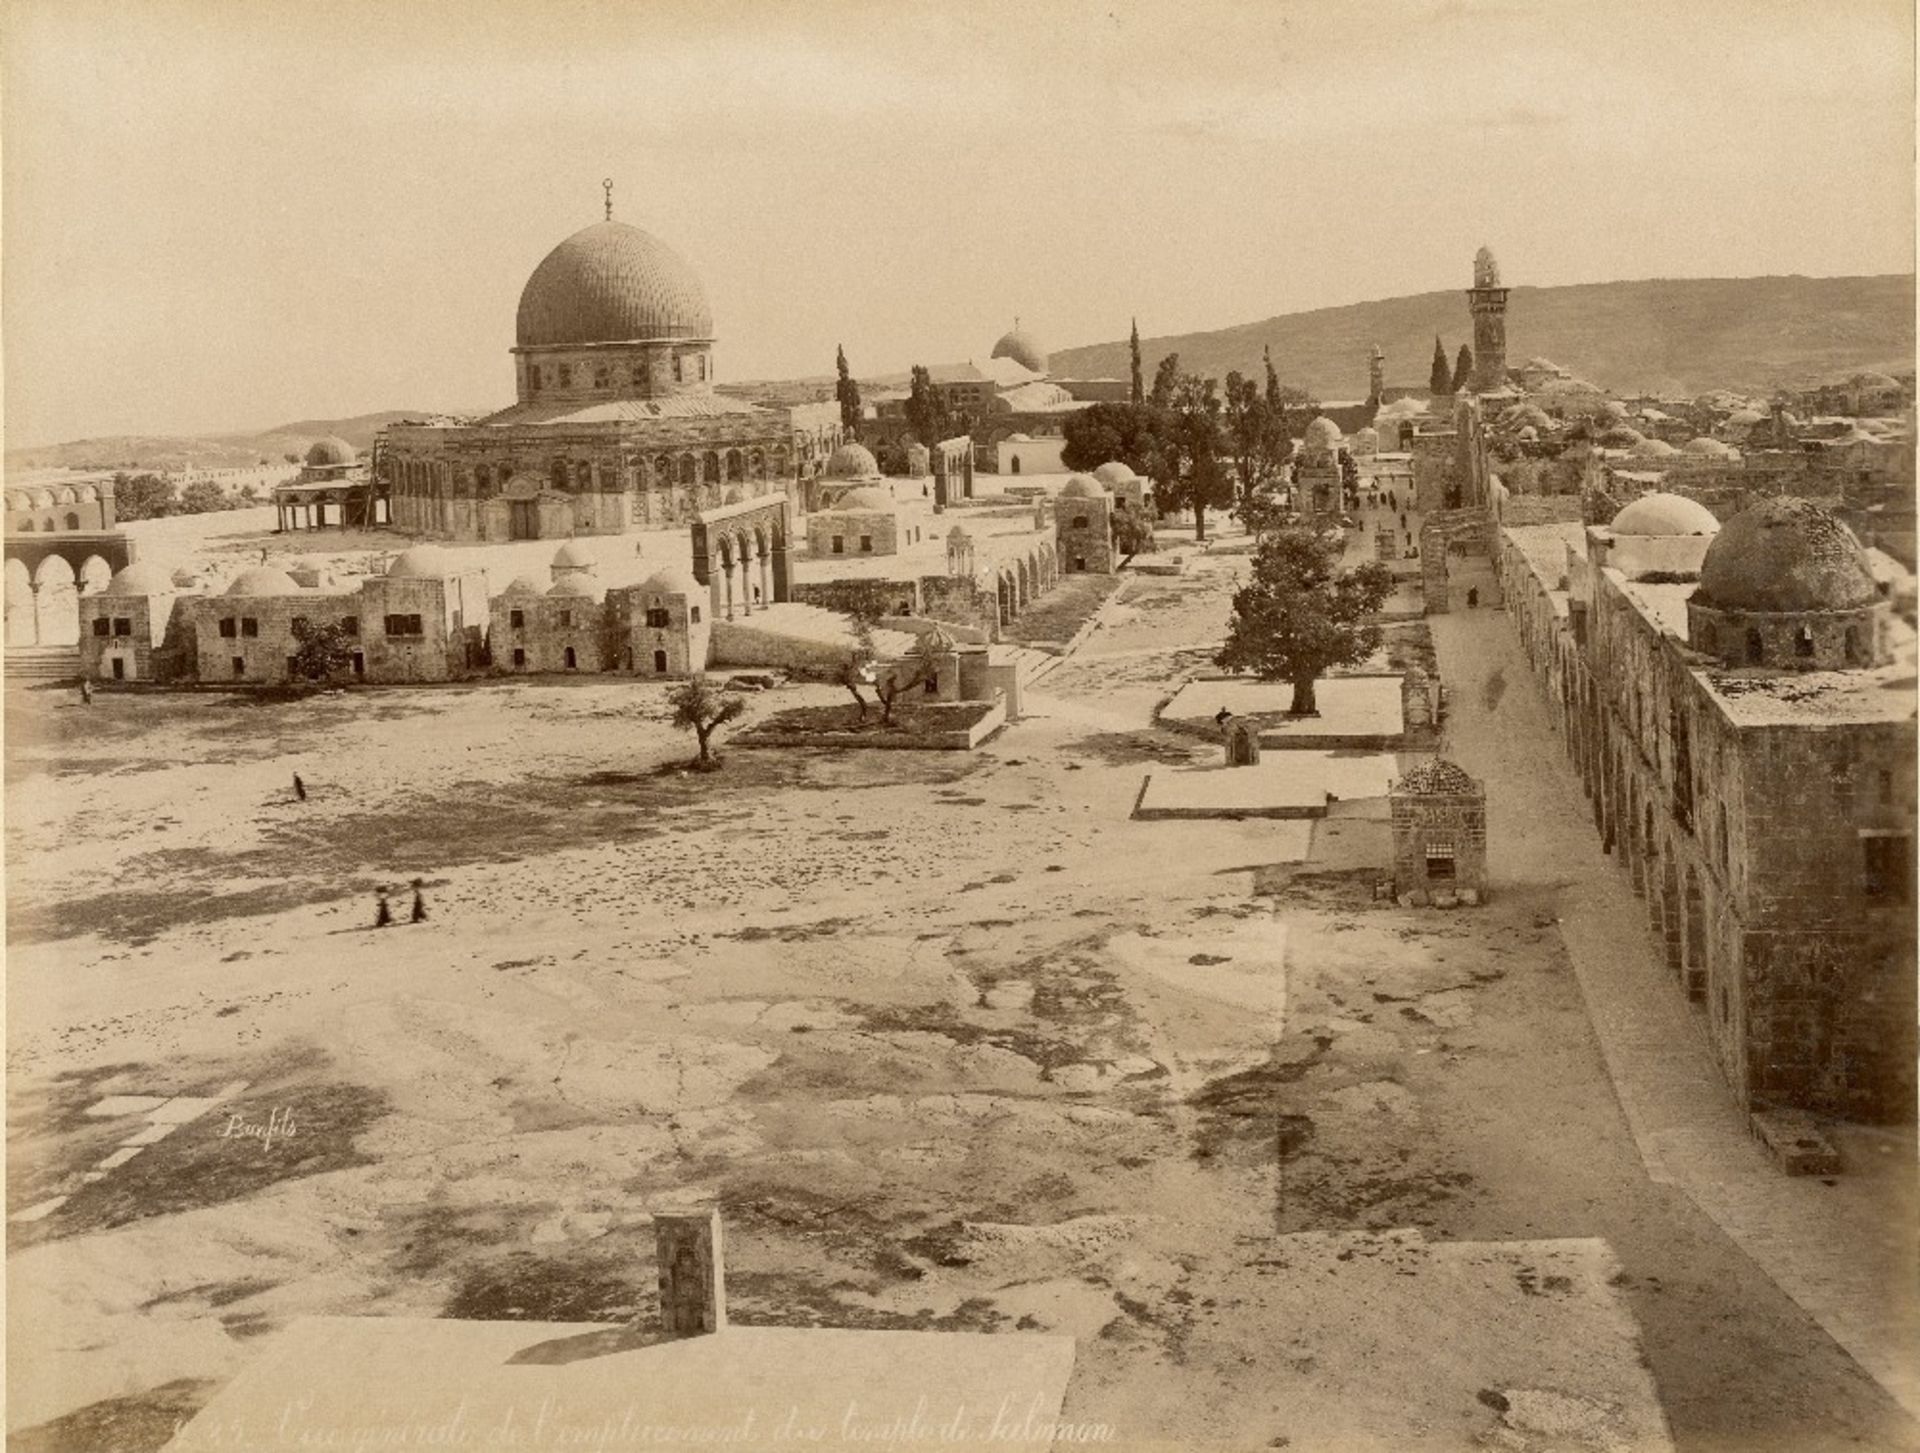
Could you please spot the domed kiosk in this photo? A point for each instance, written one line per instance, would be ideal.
(616, 424)
(1786, 586)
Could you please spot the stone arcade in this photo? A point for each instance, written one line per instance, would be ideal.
(1739, 703)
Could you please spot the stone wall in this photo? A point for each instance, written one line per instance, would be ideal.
(1434, 821)
(869, 598)
(135, 627)
(961, 600)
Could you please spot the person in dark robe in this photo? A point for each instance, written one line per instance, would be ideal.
(299, 787)
(419, 903)
(1473, 596)
(383, 915)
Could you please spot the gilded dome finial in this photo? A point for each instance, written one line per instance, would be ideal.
(608, 185)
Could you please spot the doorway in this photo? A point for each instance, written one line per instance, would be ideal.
(523, 519)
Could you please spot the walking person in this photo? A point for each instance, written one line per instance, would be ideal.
(86, 692)
(419, 903)
(383, 915)
(299, 788)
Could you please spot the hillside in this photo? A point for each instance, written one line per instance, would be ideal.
(204, 451)
(1683, 336)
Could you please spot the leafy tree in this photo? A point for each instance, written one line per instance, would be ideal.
(890, 685)
(848, 393)
(1273, 379)
(1165, 377)
(1188, 472)
(290, 457)
(1102, 432)
(1462, 369)
(1256, 433)
(320, 651)
(143, 497)
(1132, 535)
(927, 414)
(703, 710)
(1299, 616)
(1438, 378)
(1349, 479)
(1139, 395)
(203, 497)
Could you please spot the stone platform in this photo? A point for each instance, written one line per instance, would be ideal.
(391, 1382)
(1356, 712)
(1299, 784)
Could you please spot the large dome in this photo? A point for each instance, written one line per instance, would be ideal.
(1022, 347)
(1785, 555)
(611, 283)
(1322, 437)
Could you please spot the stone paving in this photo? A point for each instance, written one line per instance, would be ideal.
(1845, 1251)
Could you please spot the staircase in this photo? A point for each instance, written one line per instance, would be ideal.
(27, 665)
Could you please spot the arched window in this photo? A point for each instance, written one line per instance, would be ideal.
(736, 469)
(583, 476)
(1852, 646)
(566, 375)
(482, 481)
(639, 375)
(678, 373)
(711, 467)
(1756, 647)
(1803, 641)
(73, 522)
(557, 472)
(688, 469)
(602, 376)
(533, 378)
(26, 527)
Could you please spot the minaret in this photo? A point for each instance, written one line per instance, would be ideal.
(1376, 376)
(1488, 300)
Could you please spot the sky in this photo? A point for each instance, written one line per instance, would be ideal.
(228, 214)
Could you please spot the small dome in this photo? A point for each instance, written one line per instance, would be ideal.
(1745, 417)
(571, 557)
(1614, 409)
(1785, 555)
(852, 461)
(1665, 514)
(141, 578)
(1705, 447)
(524, 585)
(939, 639)
(1620, 436)
(330, 450)
(611, 283)
(185, 578)
(262, 580)
(672, 580)
(421, 562)
(868, 497)
(1081, 487)
(1402, 409)
(1436, 776)
(573, 585)
(958, 536)
(1653, 449)
(1023, 348)
(1114, 472)
(1528, 434)
(1323, 436)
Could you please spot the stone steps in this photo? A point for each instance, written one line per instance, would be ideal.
(41, 663)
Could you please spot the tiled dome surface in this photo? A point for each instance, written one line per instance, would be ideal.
(611, 283)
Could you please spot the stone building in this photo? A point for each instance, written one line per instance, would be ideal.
(1751, 764)
(1439, 818)
(848, 468)
(1128, 489)
(1083, 527)
(863, 521)
(334, 487)
(1317, 485)
(59, 501)
(617, 425)
(664, 623)
(123, 627)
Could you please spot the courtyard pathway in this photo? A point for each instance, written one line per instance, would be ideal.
(1845, 1250)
